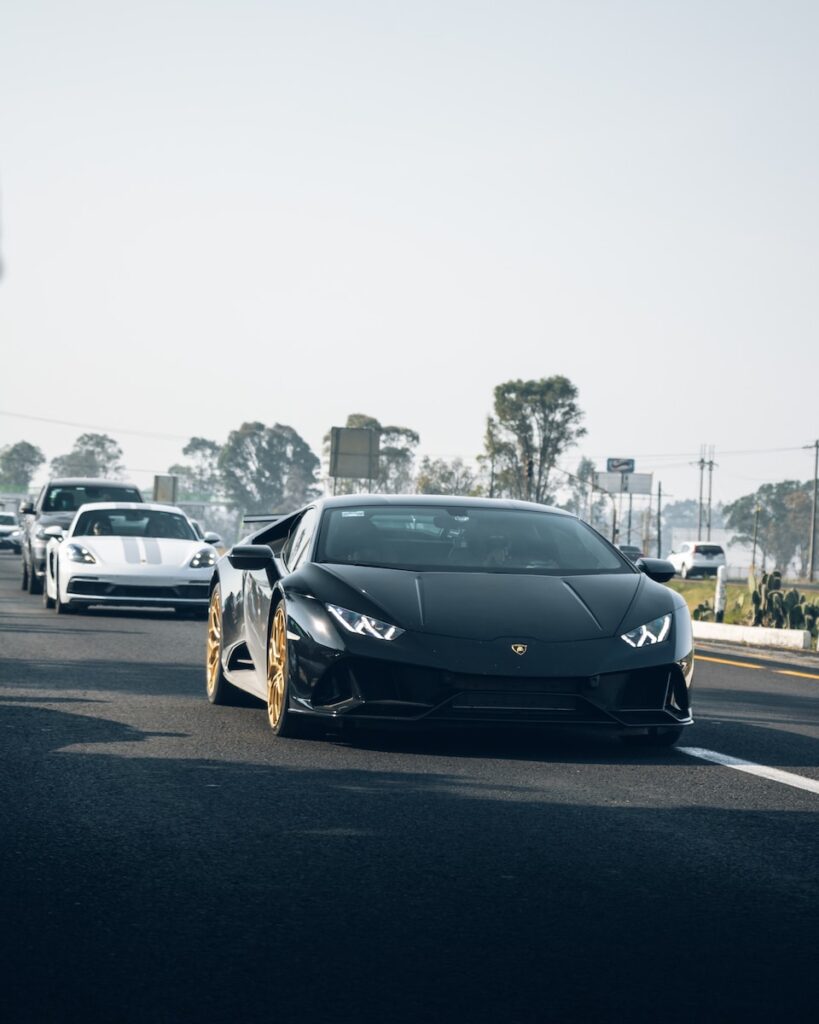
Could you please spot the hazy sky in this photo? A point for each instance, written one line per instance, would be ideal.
(221, 211)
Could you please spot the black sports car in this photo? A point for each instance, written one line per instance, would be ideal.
(376, 608)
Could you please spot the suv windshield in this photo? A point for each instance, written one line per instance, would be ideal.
(133, 523)
(69, 498)
(463, 539)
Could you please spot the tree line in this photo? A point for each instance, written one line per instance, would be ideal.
(261, 468)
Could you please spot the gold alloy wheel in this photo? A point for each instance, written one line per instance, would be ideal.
(214, 649)
(277, 668)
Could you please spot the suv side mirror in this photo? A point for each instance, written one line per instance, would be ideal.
(656, 569)
(26, 508)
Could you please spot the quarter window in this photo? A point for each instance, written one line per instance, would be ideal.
(299, 542)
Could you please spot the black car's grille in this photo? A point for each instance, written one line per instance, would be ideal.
(96, 588)
(368, 689)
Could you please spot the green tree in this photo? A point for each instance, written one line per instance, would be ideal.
(199, 478)
(93, 455)
(584, 501)
(534, 423)
(18, 464)
(685, 515)
(438, 476)
(396, 458)
(783, 522)
(268, 469)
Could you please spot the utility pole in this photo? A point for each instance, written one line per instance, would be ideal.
(659, 519)
(711, 464)
(701, 464)
(756, 528)
(812, 547)
(630, 498)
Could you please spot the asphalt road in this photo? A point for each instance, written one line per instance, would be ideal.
(164, 860)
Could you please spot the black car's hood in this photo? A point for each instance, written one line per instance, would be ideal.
(482, 606)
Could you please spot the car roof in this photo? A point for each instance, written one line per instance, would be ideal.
(137, 506)
(430, 501)
(88, 481)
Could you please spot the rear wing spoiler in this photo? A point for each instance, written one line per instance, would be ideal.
(263, 519)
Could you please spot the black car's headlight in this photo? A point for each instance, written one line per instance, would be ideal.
(77, 553)
(653, 632)
(204, 559)
(364, 625)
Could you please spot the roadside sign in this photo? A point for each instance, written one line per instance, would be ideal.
(620, 465)
(624, 483)
(166, 488)
(354, 452)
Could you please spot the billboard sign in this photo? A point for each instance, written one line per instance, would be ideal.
(624, 483)
(620, 465)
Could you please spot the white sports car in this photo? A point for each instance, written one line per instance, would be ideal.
(120, 553)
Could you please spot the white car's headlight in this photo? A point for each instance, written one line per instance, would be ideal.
(365, 625)
(77, 553)
(653, 632)
(204, 559)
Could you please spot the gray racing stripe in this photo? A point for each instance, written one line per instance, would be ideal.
(153, 555)
(131, 549)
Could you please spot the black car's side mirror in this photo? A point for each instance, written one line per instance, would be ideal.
(253, 557)
(656, 569)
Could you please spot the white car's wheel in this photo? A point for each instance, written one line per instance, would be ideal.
(63, 607)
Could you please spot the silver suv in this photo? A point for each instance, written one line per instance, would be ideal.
(56, 505)
(697, 558)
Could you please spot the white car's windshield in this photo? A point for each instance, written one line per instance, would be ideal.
(133, 523)
(462, 539)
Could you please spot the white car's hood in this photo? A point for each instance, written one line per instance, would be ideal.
(132, 552)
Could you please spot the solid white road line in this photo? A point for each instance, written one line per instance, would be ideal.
(774, 774)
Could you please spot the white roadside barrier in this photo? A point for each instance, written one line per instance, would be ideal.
(760, 636)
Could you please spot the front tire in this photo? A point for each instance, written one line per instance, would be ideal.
(35, 584)
(217, 688)
(684, 572)
(282, 720)
(24, 580)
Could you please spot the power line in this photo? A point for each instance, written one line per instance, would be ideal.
(96, 426)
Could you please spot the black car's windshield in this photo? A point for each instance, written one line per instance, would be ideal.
(7, 520)
(133, 523)
(70, 497)
(465, 539)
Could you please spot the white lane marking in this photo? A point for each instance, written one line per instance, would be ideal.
(774, 774)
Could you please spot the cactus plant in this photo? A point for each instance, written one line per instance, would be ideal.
(781, 609)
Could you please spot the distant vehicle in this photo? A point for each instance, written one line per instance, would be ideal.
(697, 558)
(118, 553)
(369, 608)
(56, 505)
(631, 551)
(10, 533)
